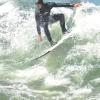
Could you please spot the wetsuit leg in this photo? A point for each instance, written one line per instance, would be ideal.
(47, 33)
(61, 18)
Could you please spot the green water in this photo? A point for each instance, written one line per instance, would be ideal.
(69, 72)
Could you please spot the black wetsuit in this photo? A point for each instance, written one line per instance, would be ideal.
(42, 17)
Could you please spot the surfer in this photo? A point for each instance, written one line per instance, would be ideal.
(43, 18)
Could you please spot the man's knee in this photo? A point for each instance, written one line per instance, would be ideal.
(62, 18)
(58, 17)
(62, 15)
(45, 28)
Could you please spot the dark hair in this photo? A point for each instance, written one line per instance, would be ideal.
(39, 2)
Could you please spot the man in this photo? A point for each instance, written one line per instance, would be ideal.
(43, 18)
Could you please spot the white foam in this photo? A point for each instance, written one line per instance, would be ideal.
(5, 8)
(87, 22)
(33, 73)
(82, 91)
(54, 81)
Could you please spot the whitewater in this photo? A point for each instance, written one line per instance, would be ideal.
(70, 72)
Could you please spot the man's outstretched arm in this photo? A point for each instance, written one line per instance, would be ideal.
(63, 5)
(53, 4)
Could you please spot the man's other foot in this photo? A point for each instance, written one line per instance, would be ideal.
(52, 43)
(67, 31)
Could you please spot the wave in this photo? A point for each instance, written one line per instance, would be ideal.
(73, 67)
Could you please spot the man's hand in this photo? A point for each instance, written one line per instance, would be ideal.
(40, 39)
(77, 5)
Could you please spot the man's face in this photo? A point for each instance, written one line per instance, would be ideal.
(39, 6)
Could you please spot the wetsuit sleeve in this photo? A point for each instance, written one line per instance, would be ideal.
(38, 30)
(38, 23)
(60, 5)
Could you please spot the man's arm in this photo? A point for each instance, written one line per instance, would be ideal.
(37, 24)
(38, 27)
(52, 4)
(38, 30)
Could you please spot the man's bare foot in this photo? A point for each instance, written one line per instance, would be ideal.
(52, 43)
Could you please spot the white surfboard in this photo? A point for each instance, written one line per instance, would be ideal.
(67, 35)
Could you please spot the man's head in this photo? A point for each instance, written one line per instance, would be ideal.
(39, 4)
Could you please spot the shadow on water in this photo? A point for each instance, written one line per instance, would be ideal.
(56, 58)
